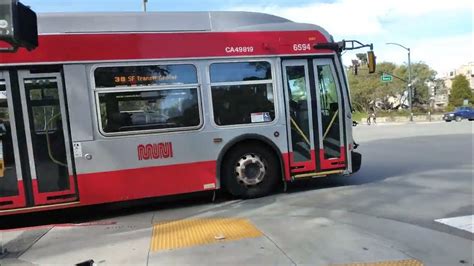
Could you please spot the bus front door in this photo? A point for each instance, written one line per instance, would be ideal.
(330, 116)
(299, 116)
(315, 126)
(38, 140)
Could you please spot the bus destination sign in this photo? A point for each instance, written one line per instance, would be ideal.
(139, 79)
(150, 75)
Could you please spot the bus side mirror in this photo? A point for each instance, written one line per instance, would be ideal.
(371, 64)
(18, 25)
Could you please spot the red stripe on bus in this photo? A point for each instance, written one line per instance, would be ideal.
(17, 201)
(286, 165)
(306, 166)
(147, 182)
(333, 163)
(130, 184)
(132, 46)
(43, 198)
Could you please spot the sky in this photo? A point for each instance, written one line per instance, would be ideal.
(438, 32)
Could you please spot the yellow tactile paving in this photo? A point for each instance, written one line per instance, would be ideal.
(386, 263)
(192, 232)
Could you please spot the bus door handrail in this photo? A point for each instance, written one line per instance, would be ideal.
(300, 131)
(330, 124)
(48, 142)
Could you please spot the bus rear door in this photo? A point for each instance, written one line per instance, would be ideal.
(36, 148)
(315, 122)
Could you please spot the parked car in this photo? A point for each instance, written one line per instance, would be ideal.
(460, 113)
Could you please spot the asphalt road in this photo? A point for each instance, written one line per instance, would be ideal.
(411, 175)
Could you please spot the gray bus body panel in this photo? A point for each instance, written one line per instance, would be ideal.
(112, 153)
(79, 102)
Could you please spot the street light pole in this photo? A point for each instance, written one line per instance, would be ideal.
(409, 85)
(144, 5)
(410, 90)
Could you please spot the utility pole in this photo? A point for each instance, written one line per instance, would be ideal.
(409, 85)
(144, 5)
(410, 90)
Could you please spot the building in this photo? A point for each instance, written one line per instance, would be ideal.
(467, 70)
(441, 99)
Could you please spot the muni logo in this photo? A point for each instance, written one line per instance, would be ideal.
(155, 151)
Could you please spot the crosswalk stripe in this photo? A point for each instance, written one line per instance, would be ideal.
(465, 223)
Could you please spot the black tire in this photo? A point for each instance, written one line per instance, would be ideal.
(471, 119)
(236, 187)
(449, 120)
(458, 119)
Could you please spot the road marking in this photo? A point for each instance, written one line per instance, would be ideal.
(465, 223)
(386, 263)
(193, 232)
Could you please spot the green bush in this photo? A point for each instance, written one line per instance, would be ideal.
(357, 116)
(460, 91)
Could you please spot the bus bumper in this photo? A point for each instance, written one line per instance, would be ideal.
(356, 161)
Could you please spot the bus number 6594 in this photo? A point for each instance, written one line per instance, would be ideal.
(301, 47)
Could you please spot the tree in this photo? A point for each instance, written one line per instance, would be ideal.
(460, 91)
(367, 88)
(421, 73)
(362, 58)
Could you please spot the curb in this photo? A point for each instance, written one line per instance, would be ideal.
(399, 123)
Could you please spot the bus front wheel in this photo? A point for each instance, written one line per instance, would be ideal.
(250, 171)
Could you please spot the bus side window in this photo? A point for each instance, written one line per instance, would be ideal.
(140, 110)
(242, 93)
(135, 106)
(118, 120)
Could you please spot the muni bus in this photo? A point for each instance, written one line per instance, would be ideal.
(121, 106)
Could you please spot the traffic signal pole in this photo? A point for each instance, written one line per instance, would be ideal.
(409, 85)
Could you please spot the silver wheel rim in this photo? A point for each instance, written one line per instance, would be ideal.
(250, 169)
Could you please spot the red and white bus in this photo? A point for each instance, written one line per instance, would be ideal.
(120, 106)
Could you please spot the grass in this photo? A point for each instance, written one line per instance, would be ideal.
(357, 116)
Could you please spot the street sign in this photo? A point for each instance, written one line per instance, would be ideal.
(386, 78)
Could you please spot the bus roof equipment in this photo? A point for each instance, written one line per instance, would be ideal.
(18, 26)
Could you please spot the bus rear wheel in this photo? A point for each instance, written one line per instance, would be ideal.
(250, 171)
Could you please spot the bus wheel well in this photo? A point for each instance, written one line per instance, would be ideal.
(261, 142)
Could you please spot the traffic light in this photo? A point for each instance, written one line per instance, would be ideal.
(18, 25)
(371, 64)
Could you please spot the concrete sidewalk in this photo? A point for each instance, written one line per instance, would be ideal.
(293, 233)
